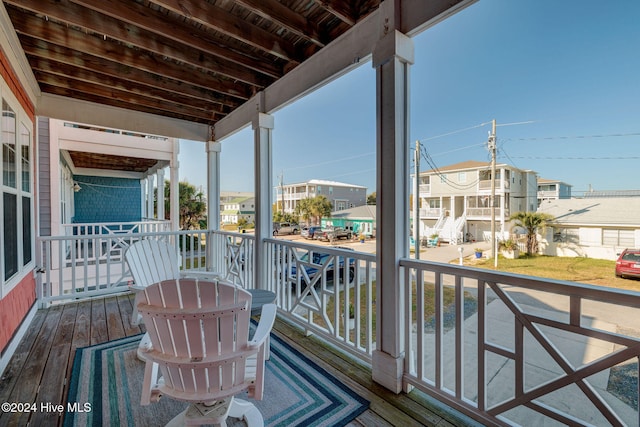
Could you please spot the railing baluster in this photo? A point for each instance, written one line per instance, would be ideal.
(482, 329)
(459, 337)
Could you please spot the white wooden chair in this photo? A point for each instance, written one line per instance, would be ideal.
(199, 341)
(152, 261)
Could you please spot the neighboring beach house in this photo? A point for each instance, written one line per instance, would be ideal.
(238, 208)
(551, 189)
(455, 200)
(591, 227)
(361, 220)
(341, 195)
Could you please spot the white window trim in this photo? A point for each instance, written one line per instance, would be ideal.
(21, 118)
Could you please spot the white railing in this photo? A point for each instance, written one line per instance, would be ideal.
(518, 350)
(233, 257)
(79, 266)
(145, 226)
(430, 212)
(319, 287)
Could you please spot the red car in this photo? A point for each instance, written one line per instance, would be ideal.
(628, 263)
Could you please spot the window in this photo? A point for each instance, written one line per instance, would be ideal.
(16, 204)
(622, 238)
(462, 177)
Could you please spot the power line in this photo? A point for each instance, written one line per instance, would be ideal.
(576, 158)
(613, 135)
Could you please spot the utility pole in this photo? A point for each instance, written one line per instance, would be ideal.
(416, 201)
(282, 190)
(492, 147)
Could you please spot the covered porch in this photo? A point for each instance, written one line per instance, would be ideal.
(423, 331)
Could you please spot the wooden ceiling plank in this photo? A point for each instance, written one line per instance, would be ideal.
(132, 35)
(281, 15)
(111, 93)
(40, 51)
(340, 10)
(94, 78)
(75, 40)
(220, 20)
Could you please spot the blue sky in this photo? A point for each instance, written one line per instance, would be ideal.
(561, 78)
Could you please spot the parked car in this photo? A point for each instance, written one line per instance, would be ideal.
(285, 228)
(333, 233)
(309, 232)
(628, 263)
(321, 259)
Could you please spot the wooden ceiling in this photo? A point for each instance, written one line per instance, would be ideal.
(193, 60)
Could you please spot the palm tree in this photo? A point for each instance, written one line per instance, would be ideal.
(531, 221)
(320, 207)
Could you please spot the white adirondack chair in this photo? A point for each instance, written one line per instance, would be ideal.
(199, 335)
(150, 261)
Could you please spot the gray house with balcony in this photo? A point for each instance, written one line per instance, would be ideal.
(455, 200)
(341, 195)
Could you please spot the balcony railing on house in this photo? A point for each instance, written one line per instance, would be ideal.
(485, 212)
(501, 348)
(486, 185)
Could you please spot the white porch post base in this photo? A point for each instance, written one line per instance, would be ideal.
(387, 370)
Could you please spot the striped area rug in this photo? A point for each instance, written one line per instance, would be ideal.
(297, 391)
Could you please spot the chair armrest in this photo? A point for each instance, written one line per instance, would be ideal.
(267, 318)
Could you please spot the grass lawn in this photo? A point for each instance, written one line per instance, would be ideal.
(575, 269)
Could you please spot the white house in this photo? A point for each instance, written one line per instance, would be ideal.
(595, 228)
(455, 200)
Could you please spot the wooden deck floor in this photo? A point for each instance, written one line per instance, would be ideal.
(40, 369)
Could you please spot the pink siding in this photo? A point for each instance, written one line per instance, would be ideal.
(14, 307)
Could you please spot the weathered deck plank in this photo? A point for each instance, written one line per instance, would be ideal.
(41, 367)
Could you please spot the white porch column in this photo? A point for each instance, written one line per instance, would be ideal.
(150, 197)
(213, 200)
(213, 185)
(262, 126)
(174, 183)
(161, 214)
(392, 57)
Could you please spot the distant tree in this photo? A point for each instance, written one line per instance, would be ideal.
(279, 216)
(371, 198)
(243, 223)
(192, 207)
(531, 222)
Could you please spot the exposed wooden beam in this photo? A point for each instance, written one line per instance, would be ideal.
(41, 52)
(218, 19)
(94, 78)
(155, 42)
(276, 12)
(340, 10)
(76, 40)
(119, 97)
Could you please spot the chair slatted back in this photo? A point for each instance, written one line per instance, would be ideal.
(152, 261)
(199, 331)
